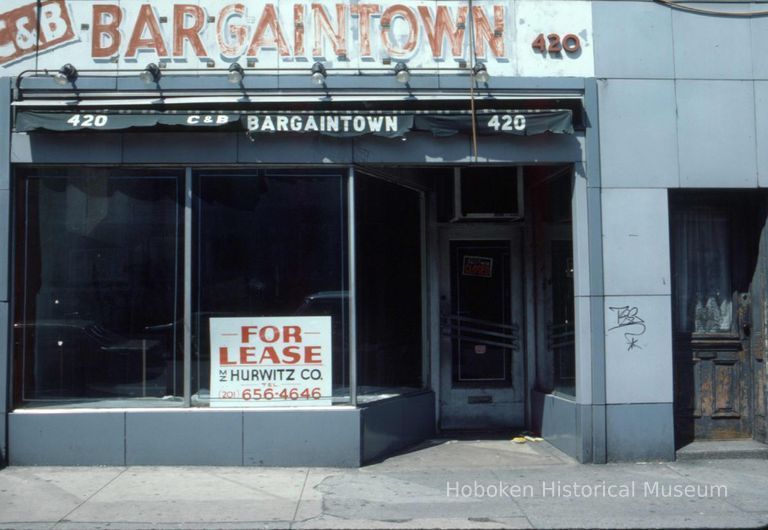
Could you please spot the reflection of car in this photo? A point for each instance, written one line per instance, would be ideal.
(334, 304)
(325, 303)
(80, 358)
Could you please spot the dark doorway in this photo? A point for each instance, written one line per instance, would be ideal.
(718, 296)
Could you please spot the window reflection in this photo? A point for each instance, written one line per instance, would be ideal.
(100, 287)
(550, 211)
(561, 333)
(100, 265)
(389, 288)
(270, 244)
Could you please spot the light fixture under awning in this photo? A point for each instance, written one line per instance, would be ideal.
(351, 123)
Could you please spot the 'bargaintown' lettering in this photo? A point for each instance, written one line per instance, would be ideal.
(327, 123)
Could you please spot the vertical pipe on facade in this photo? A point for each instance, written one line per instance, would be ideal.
(38, 23)
(352, 287)
(472, 63)
(188, 287)
(425, 349)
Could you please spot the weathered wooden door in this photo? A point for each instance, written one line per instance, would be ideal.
(718, 288)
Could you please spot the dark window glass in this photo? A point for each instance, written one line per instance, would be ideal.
(550, 210)
(489, 191)
(561, 333)
(481, 313)
(389, 287)
(98, 295)
(702, 270)
(271, 244)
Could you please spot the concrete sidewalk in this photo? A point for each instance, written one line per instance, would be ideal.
(441, 484)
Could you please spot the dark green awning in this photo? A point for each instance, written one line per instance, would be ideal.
(386, 123)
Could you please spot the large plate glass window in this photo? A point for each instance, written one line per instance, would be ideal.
(389, 288)
(98, 287)
(270, 243)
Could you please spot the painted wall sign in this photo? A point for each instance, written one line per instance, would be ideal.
(339, 124)
(271, 361)
(202, 34)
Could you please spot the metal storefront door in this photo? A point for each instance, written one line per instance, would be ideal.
(481, 361)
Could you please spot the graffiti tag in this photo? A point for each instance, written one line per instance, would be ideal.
(629, 321)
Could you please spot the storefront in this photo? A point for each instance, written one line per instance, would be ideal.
(317, 233)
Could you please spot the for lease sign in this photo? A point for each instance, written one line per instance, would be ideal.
(513, 37)
(271, 361)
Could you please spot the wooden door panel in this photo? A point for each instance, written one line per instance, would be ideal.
(759, 400)
(721, 399)
(702, 389)
(727, 390)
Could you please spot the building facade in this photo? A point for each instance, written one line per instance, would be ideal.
(297, 233)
